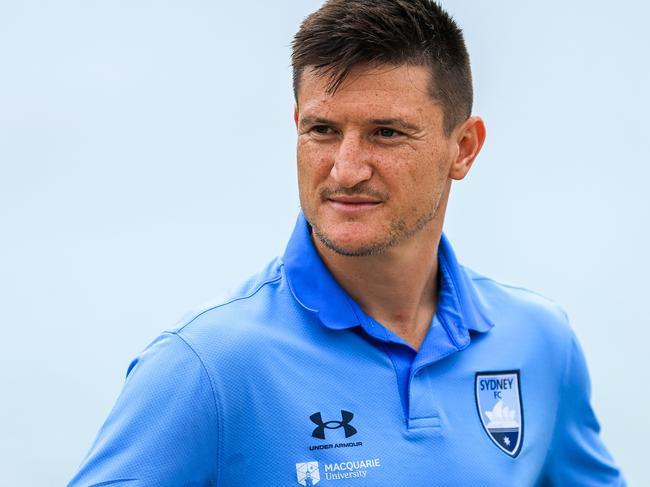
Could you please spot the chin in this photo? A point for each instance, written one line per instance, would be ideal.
(351, 245)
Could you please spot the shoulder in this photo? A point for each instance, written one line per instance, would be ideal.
(242, 325)
(520, 312)
(250, 294)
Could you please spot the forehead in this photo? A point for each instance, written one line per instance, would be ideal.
(384, 90)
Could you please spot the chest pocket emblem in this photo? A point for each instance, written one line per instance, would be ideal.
(498, 403)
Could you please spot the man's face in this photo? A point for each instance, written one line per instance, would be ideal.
(373, 159)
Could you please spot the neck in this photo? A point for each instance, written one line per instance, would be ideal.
(399, 287)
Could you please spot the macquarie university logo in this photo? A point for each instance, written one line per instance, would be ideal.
(498, 401)
(321, 426)
(308, 473)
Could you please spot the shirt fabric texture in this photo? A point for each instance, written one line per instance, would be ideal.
(289, 382)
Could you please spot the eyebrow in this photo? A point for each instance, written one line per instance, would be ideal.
(395, 122)
(315, 121)
(391, 122)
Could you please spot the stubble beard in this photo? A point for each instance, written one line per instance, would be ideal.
(399, 231)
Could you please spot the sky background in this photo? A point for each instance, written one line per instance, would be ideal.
(147, 165)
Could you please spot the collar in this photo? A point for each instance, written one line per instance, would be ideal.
(313, 286)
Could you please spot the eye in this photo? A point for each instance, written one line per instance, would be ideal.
(388, 133)
(321, 129)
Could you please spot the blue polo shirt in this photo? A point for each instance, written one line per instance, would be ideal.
(289, 382)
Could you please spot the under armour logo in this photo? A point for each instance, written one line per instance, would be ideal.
(346, 417)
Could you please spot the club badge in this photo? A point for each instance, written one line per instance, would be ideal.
(498, 402)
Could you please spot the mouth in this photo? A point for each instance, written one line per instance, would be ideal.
(353, 203)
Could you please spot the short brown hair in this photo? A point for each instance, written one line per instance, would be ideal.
(343, 34)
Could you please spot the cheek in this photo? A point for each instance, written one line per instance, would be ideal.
(434, 166)
(313, 164)
(421, 180)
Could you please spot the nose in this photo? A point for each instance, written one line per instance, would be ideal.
(351, 162)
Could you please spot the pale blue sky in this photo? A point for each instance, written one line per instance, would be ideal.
(147, 165)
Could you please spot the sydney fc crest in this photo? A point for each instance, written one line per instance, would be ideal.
(498, 401)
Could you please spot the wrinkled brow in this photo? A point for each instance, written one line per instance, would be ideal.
(390, 122)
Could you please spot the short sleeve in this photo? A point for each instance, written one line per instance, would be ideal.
(577, 455)
(163, 428)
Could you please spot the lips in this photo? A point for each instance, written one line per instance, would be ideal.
(354, 200)
(350, 204)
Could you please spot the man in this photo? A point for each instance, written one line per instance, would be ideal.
(366, 355)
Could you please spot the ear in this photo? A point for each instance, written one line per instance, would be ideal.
(295, 114)
(469, 138)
